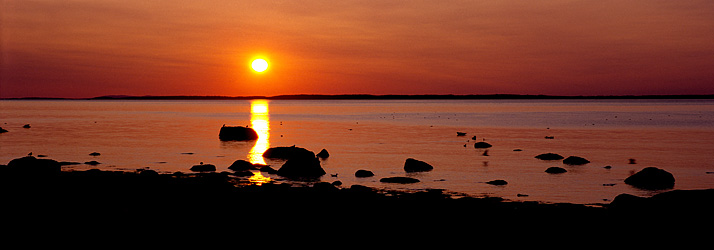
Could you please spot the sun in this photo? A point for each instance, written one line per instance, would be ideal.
(259, 65)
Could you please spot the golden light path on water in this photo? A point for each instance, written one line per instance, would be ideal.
(261, 124)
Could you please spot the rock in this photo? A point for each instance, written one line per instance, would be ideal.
(243, 173)
(549, 156)
(555, 170)
(95, 154)
(482, 144)
(363, 173)
(2, 130)
(203, 168)
(287, 153)
(26, 126)
(400, 180)
(413, 165)
(301, 167)
(323, 154)
(229, 133)
(497, 182)
(575, 160)
(651, 178)
(33, 166)
(241, 165)
(93, 163)
(268, 170)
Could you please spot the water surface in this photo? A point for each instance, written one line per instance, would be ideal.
(378, 135)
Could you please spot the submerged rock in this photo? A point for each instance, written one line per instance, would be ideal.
(497, 182)
(238, 133)
(651, 178)
(2, 130)
(482, 144)
(414, 165)
(575, 160)
(203, 168)
(549, 156)
(555, 170)
(93, 163)
(398, 179)
(363, 173)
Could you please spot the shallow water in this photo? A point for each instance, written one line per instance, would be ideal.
(378, 135)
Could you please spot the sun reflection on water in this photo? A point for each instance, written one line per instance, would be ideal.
(259, 179)
(261, 124)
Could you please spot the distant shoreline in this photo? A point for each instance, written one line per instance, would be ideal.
(374, 97)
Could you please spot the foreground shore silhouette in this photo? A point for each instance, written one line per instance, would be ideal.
(42, 190)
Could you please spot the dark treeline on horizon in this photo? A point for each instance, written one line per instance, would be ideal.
(372, 97)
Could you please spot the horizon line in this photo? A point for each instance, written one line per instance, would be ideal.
(368, 97)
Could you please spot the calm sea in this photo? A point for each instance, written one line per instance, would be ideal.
(379, 135)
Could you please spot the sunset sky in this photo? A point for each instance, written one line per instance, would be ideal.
(88, 48)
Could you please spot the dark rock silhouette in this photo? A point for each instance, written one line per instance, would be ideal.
(26, 126)
(2, 130)
(33, 166)
(399, 180)
(482, 144)
(241, 165)
(460, 133)
(555, 170)
(237, 133)
(298, 167)
(287, 153)
(268, 170)
(203, 168)
(93, 163)
(323, 154)
(95, 154)
(363, 173)
(497, 182)
(676, 202)
(575, 160)
(651, 178)
(549, 156)
(414, 165)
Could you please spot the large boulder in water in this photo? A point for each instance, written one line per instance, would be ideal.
(32, 166)
(575, 160)
(651, 178)
(286, 153)
(301, 167)
(414, 165)
(229, 133)
(549, 156)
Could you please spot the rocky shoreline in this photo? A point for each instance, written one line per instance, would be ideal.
(40, 189)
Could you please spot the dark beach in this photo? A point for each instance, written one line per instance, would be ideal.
(39, 191)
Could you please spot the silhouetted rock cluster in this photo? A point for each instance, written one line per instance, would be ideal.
(301, 163)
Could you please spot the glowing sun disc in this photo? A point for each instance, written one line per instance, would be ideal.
(259, 65)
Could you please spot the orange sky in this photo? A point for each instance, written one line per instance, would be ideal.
(87, 48)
